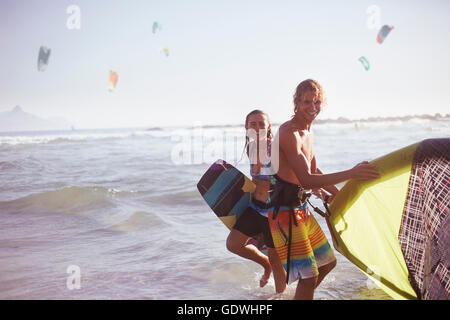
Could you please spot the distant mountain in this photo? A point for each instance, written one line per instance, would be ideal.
(19, 120)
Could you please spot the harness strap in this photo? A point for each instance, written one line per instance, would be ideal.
(275, 212)
(289, 236)
(289, 248)
(291, 217)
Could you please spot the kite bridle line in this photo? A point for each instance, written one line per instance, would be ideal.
(325, 204)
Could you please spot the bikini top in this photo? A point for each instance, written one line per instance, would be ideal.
(265, 172)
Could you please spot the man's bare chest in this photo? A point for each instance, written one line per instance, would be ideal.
(306, 146)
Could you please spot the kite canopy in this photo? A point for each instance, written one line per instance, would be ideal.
(44, 54)
(396, 228)
(113, 77)
(364, 62)
(165, 50)
(425, 229)
(382, 34)
(156, 26)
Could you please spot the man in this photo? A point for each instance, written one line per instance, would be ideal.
(299, 240)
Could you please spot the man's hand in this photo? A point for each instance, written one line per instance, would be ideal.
(322, 194)
(330, 198)
(319, 193)
(364, 171)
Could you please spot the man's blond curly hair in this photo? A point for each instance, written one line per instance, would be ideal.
(307, 85)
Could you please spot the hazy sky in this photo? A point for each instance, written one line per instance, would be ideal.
(226, 59)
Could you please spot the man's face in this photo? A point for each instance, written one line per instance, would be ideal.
(310, 106)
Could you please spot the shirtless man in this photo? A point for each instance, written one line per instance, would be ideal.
(297, 169)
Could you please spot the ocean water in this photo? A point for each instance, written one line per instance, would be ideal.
(115, 214)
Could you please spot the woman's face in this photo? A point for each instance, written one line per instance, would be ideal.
(257, 126)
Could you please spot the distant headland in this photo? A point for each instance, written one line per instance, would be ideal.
(436, 116)
(18, 120)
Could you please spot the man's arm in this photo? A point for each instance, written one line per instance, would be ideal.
(331, 189)
(321, 192)
(291, 147)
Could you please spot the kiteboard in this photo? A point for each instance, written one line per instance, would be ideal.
(228, 192)
(393, 227)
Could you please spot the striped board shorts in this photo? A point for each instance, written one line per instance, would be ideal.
(310, 249)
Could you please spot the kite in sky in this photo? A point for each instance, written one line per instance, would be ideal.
(113, 77)
(156, 26)
(44, 54)
(382, 34)
(364, 62)
(165, 50)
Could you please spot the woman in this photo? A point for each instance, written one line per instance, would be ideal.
(253, 221)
